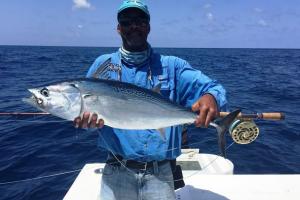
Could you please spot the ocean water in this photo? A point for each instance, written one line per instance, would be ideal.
(33, 149)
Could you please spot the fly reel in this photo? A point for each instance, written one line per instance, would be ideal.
(243, 132)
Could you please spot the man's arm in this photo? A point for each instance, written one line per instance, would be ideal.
(202, 94)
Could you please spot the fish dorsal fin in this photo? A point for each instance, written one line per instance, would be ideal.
(157, 88)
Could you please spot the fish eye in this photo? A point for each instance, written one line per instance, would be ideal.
(45, 92)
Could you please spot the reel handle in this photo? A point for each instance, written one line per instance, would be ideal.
(267, 116)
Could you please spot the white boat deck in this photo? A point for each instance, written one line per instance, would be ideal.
(241, 187)
(206, 177)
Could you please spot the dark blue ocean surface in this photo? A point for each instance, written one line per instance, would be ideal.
(257, 80)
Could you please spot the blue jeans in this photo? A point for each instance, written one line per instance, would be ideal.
(121, 183)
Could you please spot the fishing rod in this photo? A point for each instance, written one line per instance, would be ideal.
(243, 130)
(265, 116)
(22, 113)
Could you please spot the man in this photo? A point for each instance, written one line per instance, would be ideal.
(138, 166)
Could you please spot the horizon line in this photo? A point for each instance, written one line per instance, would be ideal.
(158, 47)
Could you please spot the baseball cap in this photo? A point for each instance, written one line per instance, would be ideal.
(134, 4)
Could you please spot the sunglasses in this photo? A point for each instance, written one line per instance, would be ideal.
(126, 22)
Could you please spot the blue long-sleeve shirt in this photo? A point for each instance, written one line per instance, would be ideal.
(179, 82)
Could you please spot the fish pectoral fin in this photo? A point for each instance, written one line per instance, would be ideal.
(84, 96)
(157, 88)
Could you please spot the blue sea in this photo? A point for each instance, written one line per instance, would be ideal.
(32, 149)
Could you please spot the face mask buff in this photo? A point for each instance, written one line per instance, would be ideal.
(135, 58)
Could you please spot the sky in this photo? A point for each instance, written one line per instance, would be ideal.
(174, 23)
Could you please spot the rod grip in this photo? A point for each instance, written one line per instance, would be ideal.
(267, 116)
(273, 116)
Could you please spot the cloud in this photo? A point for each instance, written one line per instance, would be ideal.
(210, 16)
(262, 22)
(79, 26)
(170, 22)
(207, 6)
(258, 10)
(81, 4)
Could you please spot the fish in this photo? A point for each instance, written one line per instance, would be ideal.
(121, 105)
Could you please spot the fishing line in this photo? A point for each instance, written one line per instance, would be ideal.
(58, 174)
(123, 165)
(211, 162)
(40, 177)
(35, 121)
(171, 149)
(34, 114)
(73, 171)
(23, 113)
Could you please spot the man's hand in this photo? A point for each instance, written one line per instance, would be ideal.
(208, 110)
(85, 123)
